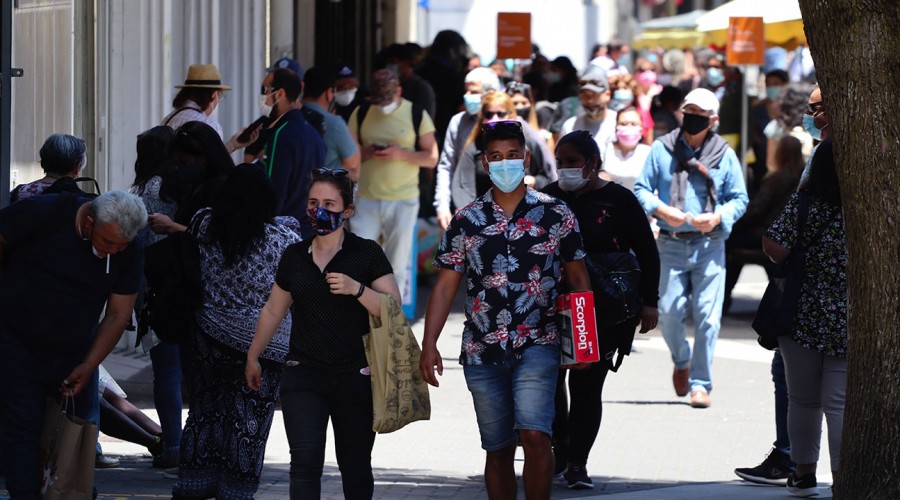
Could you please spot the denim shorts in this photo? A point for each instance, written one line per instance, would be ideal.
(515, 395)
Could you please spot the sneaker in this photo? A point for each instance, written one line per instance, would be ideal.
(105, 462)
(171, 473)
(681, 381)
(559, 469)
(774, 470)
(578, 478)
(700, 399)
(802, 487)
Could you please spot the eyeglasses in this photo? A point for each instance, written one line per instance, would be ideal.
(813, 107)
(490, 114)
(513, 125)
(331, 172)
(263, 90)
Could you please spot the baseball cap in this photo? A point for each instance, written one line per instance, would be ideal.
(703, 99)
(287, 63)
(345, 71)
(384, 86)
(594, 79)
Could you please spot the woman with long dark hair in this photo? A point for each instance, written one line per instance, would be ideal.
(815, 354)
(334, 282)
(241, 242)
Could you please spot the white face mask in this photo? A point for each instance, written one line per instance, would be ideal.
(265, 109)
(389, 108)
(344, 97)
(570, 179)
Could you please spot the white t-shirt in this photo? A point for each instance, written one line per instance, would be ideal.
(625, 169)
(603, 131)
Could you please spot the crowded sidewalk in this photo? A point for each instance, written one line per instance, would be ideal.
(652, 444)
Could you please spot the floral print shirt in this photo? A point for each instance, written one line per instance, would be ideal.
(512, 266)
(821, 322)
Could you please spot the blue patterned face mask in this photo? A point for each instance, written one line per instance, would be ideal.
(507, 174)
(324, 221)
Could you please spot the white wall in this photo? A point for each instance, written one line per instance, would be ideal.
(557, 26)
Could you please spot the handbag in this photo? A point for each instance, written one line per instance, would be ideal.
(616, 281)
(778, 307)
(399, 393)
(69, 445)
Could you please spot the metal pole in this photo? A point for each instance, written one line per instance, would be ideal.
(744, 118)
(5, 98)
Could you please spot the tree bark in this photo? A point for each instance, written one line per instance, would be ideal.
(856, 48)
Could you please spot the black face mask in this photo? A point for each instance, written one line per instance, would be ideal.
(524, 112)
(694, 124)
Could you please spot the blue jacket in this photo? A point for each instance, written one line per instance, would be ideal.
(653, 186)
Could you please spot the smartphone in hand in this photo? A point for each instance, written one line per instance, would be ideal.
(245, 135)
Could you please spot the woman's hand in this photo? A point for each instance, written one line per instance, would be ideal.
(253, 373)
(648, 319)
(341, 284)
(444, 219)
(162, 224)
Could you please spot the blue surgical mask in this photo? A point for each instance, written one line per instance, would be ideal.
(622, 98)
(772, 93)
(809, 124)
(507, 174)
(473, 103)
(715, 76)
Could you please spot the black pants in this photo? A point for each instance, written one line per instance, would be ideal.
(309, 397)
(576, 426)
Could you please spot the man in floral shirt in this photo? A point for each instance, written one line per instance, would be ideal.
(511, 246)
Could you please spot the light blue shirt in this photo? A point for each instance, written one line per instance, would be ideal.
(653, 186)
(339, 144)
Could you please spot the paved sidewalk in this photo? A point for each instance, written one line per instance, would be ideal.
(652, 444)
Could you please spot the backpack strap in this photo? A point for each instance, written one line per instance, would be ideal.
(360, 116)
(178, 111)
(417, 120)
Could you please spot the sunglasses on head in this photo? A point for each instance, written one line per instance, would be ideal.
(331, 172)
(517, 88)
(491, 114)
(504, 125)
(813, 107)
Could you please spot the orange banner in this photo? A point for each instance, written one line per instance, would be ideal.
(746, 41)
(513, 35)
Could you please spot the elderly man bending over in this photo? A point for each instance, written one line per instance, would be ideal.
(64, 257)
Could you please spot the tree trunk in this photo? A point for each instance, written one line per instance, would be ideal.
(856, 48)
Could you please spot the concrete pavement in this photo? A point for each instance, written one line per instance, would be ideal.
(652, 444)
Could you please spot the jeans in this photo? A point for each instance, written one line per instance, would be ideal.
(816, 384)
(29, 378)
(782, 441)
(518, 394)
(692, 273)
(166, 360)
(308, 398)
(396, 221)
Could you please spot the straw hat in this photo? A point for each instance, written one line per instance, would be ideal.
(203, 76)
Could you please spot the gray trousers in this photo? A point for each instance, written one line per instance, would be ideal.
(816, 384)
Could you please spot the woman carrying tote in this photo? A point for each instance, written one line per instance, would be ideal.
(334, 282)
(815, 354)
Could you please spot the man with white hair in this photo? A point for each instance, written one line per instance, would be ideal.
(693, 184)
(66, 258)
(479, 82)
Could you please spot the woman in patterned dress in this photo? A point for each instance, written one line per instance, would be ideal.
(815, 354)
(241, 242)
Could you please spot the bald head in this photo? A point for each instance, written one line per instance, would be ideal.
(817, 109)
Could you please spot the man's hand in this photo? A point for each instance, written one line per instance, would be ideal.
(444, 219)
(529, 181)
(648, 319)
(163, 224)
(428, 362)
(671, 215)
(389, 153)
(74, 383)
(706, 222)
(233, 144)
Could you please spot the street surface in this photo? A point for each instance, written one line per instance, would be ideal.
(652, 444)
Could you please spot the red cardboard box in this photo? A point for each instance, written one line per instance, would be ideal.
(577, 328)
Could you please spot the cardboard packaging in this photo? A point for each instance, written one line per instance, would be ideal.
(577, 328)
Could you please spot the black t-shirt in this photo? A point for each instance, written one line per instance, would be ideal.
(327, 328)
(53, 288)
(612, 220)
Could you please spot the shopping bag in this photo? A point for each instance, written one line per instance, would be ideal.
(399, 394)
(69, 446)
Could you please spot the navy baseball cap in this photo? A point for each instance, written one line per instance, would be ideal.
(287, 63)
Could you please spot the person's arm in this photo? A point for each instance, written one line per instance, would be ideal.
(576, 275)
(645, 189)
(341, 284)
(347, 148)
(734, 193)
(118, 312)
(351, 164)
(425, 156)
(270, 317)
(436, 314)
(445, 167)
(774, 251)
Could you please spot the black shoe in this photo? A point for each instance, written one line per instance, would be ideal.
(559, 469)
(578, 478)
(774, 470)
(803, 487)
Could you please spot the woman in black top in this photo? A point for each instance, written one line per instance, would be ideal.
(334, 282)
(611, 220)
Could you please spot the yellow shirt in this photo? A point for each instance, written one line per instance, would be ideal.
(390, 180)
